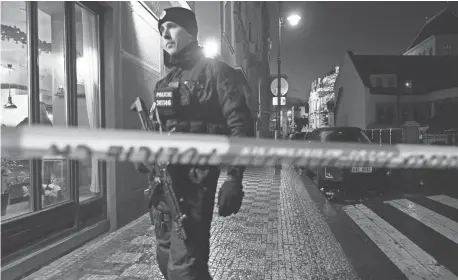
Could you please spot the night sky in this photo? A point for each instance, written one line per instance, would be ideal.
(329, 29)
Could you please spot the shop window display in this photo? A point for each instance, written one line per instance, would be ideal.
(51, 29)
(55, 188)
(16, 193)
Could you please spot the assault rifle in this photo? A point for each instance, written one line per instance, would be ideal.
(159, 170)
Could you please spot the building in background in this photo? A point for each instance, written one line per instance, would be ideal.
(439, 35)
(386, 91)
(373, 90)
(89, 74)
(321, 100)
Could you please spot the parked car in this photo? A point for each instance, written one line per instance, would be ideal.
(297, 136)
(442, 179)
(344, 180)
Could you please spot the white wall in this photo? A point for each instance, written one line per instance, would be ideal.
(351, 109)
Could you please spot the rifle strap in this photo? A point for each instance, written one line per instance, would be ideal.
(155, 113)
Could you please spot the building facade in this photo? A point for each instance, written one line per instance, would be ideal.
(94, 59)
(321, 100)
(242, 41)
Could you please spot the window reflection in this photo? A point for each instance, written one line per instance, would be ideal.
(51, 35)
(16, 192)
(88, 84)
(15, 177)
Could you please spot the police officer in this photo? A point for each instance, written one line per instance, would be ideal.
(205, 97)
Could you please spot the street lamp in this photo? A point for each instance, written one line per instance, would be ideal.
(293, 20)
(210, 48)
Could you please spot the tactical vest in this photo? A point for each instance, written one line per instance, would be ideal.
(181, 109)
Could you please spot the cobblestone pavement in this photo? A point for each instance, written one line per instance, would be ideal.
(278, 234)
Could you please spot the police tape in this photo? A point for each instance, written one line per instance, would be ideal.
(140, 146)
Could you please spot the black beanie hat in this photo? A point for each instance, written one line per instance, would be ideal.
(181, 16)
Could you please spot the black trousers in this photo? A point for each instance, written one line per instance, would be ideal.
(178, 259)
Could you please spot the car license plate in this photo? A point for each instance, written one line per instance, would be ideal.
(361, 169)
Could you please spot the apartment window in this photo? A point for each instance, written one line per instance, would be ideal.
(55, 100)
(447, 49)
(378, 82)
(391, 83)
(228, 22)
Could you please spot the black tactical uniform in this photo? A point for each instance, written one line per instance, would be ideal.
(208, 99)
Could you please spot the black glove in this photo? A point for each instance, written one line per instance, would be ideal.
(230, 197)
(140, 167)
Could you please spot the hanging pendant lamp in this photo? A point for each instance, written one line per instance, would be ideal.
(9, 104)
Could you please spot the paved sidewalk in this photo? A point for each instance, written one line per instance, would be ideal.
(278, 234)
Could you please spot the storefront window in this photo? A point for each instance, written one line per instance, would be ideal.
(16, 193)
(53, 73)
(88, 84)
(52, 80)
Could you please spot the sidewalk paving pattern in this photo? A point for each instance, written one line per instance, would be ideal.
(278, 234)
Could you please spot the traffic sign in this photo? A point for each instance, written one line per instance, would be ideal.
(275, 101)
(274, 86)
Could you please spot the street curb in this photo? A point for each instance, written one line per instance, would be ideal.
(331, 252)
